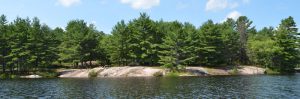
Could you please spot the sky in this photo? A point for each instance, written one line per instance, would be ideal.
(106, 13)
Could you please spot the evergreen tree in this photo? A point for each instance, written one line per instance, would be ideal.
(190, 50)
(69, 48)
(142, 40)
(119, 45)
(243, 25)
(20, 45)
(230, 41)
(49, 46)
(286, 38)
(174, 55)
(211, 39)
(36, 44)
(4, 43)
(88, 49)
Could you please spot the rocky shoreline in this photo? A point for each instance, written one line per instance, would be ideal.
(142, 71)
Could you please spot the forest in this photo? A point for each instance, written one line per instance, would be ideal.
(27, 45)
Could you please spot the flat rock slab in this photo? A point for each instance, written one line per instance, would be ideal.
(31, 76)
(251, 70)
(142, 71)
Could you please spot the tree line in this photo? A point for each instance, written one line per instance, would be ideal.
(28, 45)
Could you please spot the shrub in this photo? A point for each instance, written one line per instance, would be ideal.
(272, 71)
(3, 76)
(8, 76)
(48, 74)
(234, 71)
(13, 76)
(93, 73)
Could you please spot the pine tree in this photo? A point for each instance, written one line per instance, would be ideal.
(243, 25)
(88, 48)
(286, 38)
(119, 45)
(69, 48)
(142, 40)
(173, 55)
(4, 47)
(229, 42)
(49, 48)
(20, 45)
(211, 40)
(191, 50)
(36, 43)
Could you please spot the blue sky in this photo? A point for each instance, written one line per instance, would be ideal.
(106, 13)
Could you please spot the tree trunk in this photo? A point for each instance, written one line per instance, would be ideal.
(3, 65)
(11, 69)
(82, 64)
(91, 63)
(3, 62)
(3, 68)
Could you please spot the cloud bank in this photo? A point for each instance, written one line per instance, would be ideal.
(216, 5)
(68, 3)
(141, 4)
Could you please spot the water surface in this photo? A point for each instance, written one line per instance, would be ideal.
(262, 86)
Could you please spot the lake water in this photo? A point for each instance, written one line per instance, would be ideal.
(262, 86)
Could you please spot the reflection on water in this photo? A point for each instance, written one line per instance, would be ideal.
(262, 86)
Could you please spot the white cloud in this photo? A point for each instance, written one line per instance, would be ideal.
(68, 3)
(141, 4)
(216, 5)
(233, 15)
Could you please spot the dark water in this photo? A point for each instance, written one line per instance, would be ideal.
(261, 87)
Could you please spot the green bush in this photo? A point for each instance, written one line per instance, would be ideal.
(93, 73)
(8, 76)
(3, 76)
(48, 74)
(272, 71)
(234, 71)
(13, 76)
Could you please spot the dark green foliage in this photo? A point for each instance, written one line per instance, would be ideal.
(143, 41)
(230, 43)
(243, 25)
(211, 39)
(278, 49)
(136, 43)
(75, 32)
(80, 44)
(26, 45)
(48, 74)
(175, 54)
(118, 44)
(286, 37)
(4, 49)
